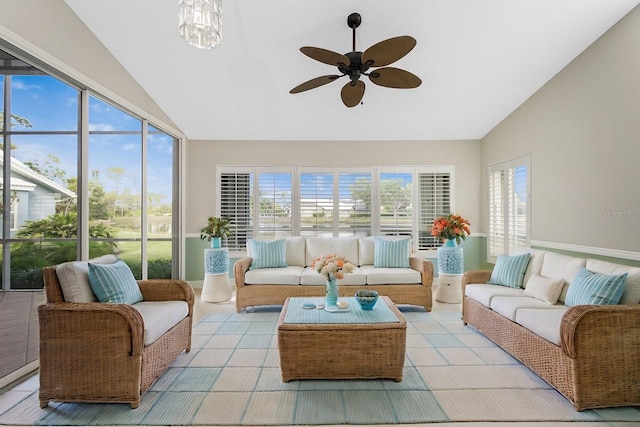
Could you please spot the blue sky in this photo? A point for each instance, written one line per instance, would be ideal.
(51, 105)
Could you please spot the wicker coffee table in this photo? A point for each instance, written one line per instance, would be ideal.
(316, 348)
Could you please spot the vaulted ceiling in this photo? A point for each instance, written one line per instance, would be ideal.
(478, 61)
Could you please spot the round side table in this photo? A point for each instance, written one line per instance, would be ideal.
(449, 288)
(215, 287)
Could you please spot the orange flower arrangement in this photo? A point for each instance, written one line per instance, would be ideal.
(450, 227)
(332, 266)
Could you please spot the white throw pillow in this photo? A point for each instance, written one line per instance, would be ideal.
(74, 278)
(544, 288)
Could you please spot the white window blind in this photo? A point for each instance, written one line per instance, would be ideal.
(435, 201)
(396, 210)
(509, 207)
(274, 200)
(354, 207)
(236, 200)
(271, 203)
(316, 204)
(497, 214)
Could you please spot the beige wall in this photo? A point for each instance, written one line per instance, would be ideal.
(583, 132)
(50, 31)
(203, 156)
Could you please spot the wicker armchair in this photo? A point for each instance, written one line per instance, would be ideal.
(94, 352)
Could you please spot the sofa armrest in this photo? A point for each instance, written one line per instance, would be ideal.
(425, 267)
(240, 267)
(91, 329)
(475, 276)
(167, 290)
(607, 335)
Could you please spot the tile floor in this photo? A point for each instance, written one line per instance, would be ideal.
(21, 389)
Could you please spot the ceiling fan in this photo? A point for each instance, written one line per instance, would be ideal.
(355, 64)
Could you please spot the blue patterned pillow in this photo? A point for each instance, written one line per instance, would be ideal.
(268, 253)
(390, 253)
(114, 283)
(592, 288)
(509, 270)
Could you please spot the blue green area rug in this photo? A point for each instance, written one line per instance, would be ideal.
(232, 377)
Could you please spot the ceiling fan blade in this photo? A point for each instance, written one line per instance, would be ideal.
(388, 51)
(314, 83)
(395, 78)
(324, 55)
(352, 93)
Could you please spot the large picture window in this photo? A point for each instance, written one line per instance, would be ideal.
(80, 176)
(509, 207)
(269, 203)
(83, 176)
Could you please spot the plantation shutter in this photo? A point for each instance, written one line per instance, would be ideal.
(316, 204)
(518, 219)
(396, 212)
(354, 207)
(236, 191)
(497, 222)
(275, 204)
(435, 201)
(509, 208)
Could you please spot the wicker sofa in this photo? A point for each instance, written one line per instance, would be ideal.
(589, 353)
(107, 352)
(410, 284)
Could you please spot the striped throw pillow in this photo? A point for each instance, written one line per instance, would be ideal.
(592, 288)
(268, 253)
(114, 283)
(509, 270)
(390, 253)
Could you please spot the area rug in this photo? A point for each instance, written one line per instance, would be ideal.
(232, 377)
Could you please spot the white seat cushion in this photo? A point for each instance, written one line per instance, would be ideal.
(311, 277)
(509, 306)
(391, 276)
(274, 276)
(484, 293)
(543, 322)
(160, 316)
(74, 278)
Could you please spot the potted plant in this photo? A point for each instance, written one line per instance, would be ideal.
(216, 228)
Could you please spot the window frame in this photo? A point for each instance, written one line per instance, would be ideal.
(509, 210)
(375, 173)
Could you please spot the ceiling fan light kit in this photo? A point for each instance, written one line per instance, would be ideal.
(356, 64)
(200, 22)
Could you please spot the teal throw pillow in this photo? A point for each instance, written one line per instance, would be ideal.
(509, 270)
(114, 283)
(268, 253)
(592, 288)
(390, 253)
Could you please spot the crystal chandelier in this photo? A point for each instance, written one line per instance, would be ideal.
(200, 22)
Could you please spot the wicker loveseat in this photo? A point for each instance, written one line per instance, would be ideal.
(589, 353)
(408, 284)
(101, 352)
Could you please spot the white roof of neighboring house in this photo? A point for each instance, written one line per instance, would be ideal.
(19, 184)
(20, 168)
